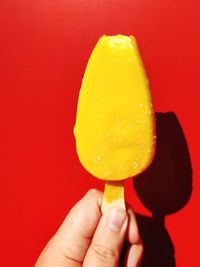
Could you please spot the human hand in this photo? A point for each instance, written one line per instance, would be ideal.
(88, 239)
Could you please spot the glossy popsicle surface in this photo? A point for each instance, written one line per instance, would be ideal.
(115, 121)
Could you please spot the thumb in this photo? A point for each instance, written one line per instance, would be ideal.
(105, 248)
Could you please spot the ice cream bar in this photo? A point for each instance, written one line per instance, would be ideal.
(115, 128)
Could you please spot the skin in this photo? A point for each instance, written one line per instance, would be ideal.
(87, 238)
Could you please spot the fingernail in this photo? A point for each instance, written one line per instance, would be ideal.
(115, 219)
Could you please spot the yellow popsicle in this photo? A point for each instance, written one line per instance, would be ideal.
(115, 120)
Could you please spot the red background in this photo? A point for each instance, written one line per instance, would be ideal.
(44, 47)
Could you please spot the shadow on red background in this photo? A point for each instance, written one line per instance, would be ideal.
(164, 188)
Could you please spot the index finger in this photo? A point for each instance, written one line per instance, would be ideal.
(69, 245)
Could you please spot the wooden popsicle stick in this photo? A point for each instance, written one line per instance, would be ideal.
(113, 196)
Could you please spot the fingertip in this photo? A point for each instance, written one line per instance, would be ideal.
(93, 192)
(94, 196)
(116, 219)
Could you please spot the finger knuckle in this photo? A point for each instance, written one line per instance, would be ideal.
(69, 253)
(104, 253)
